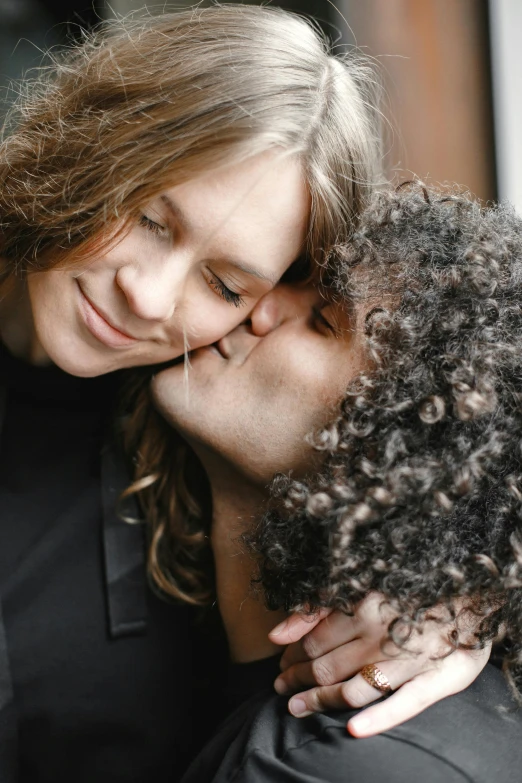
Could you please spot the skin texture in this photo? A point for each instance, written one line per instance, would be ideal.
(253, 398)
(201, 256)
(298, 352)
(247, 414)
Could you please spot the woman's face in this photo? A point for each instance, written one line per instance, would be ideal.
(254, 396)
(201, 256)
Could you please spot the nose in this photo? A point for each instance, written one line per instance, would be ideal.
(283, 303)
(151, 294)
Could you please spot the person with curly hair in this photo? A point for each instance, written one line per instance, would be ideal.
(405, 496)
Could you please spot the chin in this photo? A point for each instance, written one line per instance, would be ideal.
(82, 370)
(165, 388)
(78, 363)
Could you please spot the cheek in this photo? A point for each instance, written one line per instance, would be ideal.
(305, 385)
(287, 402)
(305, 381)
(205, 321)
(50, 294)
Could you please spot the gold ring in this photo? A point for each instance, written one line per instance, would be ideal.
(373, 675)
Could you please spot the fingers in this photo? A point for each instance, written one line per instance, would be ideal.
(413, 697)
(427, 688)
(414, 691)
(334, 667)
(296, 626)
(329, 697)
(356, 692)
(293, 654)
(332, 631)
(311, 637)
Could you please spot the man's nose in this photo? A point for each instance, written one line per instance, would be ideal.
(151, 293)
(283, 303)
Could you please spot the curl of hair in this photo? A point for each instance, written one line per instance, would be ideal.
(423, 503)
(174, 497)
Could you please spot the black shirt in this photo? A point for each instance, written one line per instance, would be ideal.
(472, 737)
(89, 705)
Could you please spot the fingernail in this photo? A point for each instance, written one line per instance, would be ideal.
(277, 630)
(298, 708)
(280, 686)
(358, 724)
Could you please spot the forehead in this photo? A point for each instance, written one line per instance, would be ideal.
(261, 203)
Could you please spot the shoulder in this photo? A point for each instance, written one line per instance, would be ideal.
(473, 736)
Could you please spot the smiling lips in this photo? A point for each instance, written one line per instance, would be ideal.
(100, 328)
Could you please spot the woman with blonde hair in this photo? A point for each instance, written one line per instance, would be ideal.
(155, 182)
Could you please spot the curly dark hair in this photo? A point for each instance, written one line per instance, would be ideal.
(420, 496)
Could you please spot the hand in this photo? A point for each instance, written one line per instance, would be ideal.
(331, 647)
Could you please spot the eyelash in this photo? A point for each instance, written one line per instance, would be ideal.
(151, 225)
(319, 318)
(231, 297)
(225, 293)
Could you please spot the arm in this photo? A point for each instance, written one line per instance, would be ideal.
(329, 651)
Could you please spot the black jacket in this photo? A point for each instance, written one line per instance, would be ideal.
(472, 737)
(100, 679)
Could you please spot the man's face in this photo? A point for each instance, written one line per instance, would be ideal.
(253, 397)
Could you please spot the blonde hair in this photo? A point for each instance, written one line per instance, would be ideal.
(147, 103)
(143, 104)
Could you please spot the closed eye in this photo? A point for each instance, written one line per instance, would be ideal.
(152, 226)
(232, 297)
(321, 321)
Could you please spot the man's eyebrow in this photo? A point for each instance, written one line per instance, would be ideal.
(243, 266)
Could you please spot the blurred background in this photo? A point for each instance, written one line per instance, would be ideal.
(451, 71)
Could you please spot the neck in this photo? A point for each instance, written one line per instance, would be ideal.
(17, 330)
(236, 506)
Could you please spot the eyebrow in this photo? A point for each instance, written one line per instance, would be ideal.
(243, 266)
